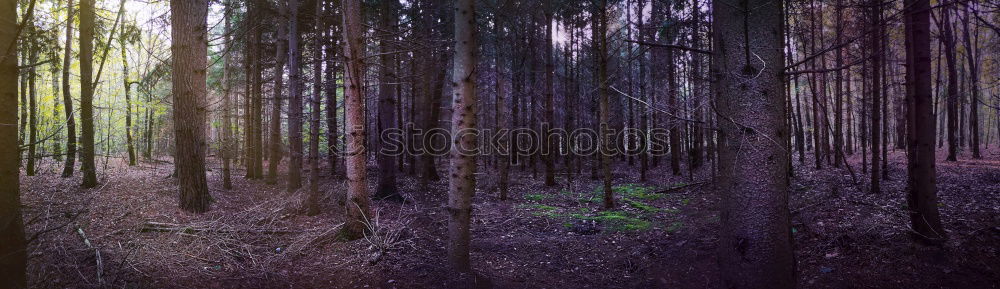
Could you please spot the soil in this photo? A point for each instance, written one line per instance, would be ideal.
(129, 232)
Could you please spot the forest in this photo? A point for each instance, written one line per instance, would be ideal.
(499, 143)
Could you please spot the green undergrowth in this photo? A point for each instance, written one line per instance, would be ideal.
(635, 209)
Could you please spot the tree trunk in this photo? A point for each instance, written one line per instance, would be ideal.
(948, 37)
(227, 85)
(838, 97)
(32, 99)
(921, 198)
(295, 100)
(13, 247)
(70, 163)
(602, 99)
(314, 113)
(874, 17)
(87, 93)
(972, 52)
(387, 102)
(274, 146)
(462, 184)
(189, 32)
(755, 249)
(128, 100)
(330, 86)
(358, 211)
(548, 148)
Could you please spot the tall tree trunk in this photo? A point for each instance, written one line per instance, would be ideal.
(838, 97)
(189, 22)
(70, 163)
(274, 146)
(501, 114)
(387, 101)
(921, 198)
(128, 100)
(87, 93)
(755, 249)
(32, 98)
(549, 149)
(972, 53)
(295, 99)
(602, 100)
(462, 184)
(13, 247)
(643, 95)
(672, 91)
(227, 86)
(330, 86)
(358, 210)
(698, 134)
(875, 45)
(948, 37)
(314, 112)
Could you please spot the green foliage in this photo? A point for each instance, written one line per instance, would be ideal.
(536, 197)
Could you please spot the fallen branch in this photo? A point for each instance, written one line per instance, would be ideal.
(179, 228)
(667, 190)
(97, 254)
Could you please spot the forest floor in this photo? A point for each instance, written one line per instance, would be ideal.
(129, 232)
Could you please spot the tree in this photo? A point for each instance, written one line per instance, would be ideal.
(87, 93)
(948, 39)
(227, 102)
(547, 144)
(314, 112)
(13, 248)
(70, 163)
(462, 184)
(875, 44)
(601, 54)
(755, 248)
(387, 99)
(32, 98)
(354, 96)
(295, 99)
(972, 51)
(189, 22)
(330, 86)
(274, 147)
(921, 197)
(128, 96)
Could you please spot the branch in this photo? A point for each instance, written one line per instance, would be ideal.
(671, 46)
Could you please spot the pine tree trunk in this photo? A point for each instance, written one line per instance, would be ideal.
(549, 150)
(314, 113)
(462, 184)
(87, 93)
(387, 102)
(274, 146)
(948, 37)
(227, 100)
(189, 52)
(602, 100)
(874, 18)
(330, 86)
(295, 100)
(358, 211)
(972, 51)
(755, 249)
(32, 99)
(12, 244)
(70, 163)
(921, 182)
(128, 101)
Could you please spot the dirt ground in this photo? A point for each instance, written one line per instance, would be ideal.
(129, 233)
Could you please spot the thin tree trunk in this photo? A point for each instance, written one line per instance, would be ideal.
(972, 51)
(128, 100)
(312, 204)
(70, 163)
(602, 96)
(874, 17)
(549, 150)
(227, 126)
(32, 99)
(948, 37)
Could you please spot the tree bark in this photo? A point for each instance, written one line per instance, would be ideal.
(70, 163)
(549, 150)
(227, 85)
(314, 112)
(875, 44)
(189, 52)
(274, 146)
(462, 184)
(87, 93)
(602, 99)
(387, 101)
(295, 100)
(948, 37)
(13, 248)
(128, 100)
(358, 211)
(755, 249)
(921, 198)
(32, 98)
